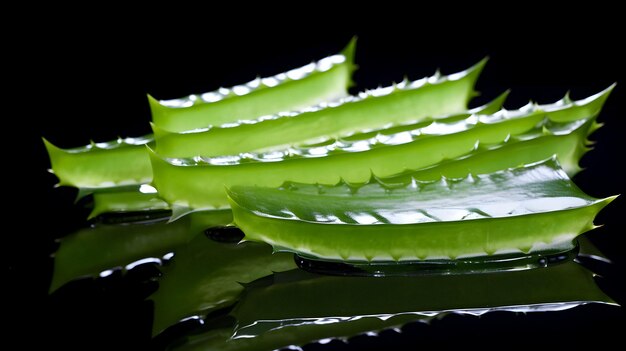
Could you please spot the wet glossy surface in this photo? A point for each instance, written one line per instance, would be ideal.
(434, 96)
(542, 187)
(109, 312)
(228, 296)
(524, 209)
(296, 308)
(471, 265)
(483, 144)
(559, 118)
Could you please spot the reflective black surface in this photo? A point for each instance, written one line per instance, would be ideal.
(71, 89)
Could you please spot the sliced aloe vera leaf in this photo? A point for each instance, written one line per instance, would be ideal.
(199, 183)
(91, 251)
(522, 209)
(568, 142)
(206, 275)
(296, 307)
(325, 80)
(402, 103)
(568, 145)
(125, 161)
(102, 165)
(138, 199)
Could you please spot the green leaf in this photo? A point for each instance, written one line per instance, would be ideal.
(514, 210)
(569, 143)
(199, 183)
(295, 307)
(325, 80)
(92, 250)
(137, 199)
(125, 161)
(401, 103)
(102, 165)
(134, 199)
(205, 275)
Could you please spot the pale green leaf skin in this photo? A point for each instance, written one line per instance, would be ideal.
(126, 162)
(338, 307)
(325, 80)
(199, 184)
(133, 200)
(402, 103)
(126, 201)
(205, 275)
(90, 251)
(516, 210)
(569, 148)
(92, 167)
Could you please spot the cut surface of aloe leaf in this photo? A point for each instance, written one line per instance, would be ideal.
(199, 183)
(402, 103)
(206, 275)
(102, 247)
(522, 209)
(125, 161)
(325, 80)
(272, 315)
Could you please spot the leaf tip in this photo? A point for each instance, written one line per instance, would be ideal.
(350, 50)
(478, 67)
(153, 102)
(610, 199)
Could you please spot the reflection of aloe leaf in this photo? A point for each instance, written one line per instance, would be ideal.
(559, 128)
(205, 275)
(125, 161)
(296, 307)
(90, 251)
(520, 209)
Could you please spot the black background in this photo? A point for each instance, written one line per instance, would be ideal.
(81, 79)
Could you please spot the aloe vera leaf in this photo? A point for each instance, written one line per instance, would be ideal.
(135, 200)
(309, 85)
(199, 183)
(92, 250)
(126, 162)
(206, 275)
(102, 165)
(568, 141)
(143, 198)
(294, 308)
(520, 209)
(402, 103)
(569, 144)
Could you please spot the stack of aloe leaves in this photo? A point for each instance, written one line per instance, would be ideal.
(389, 177)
